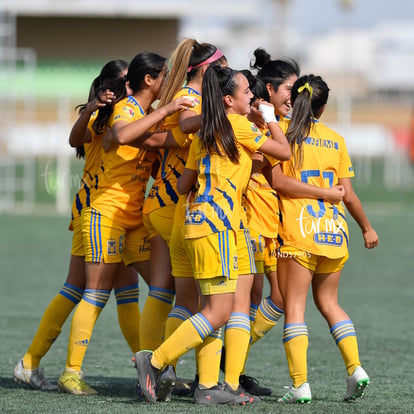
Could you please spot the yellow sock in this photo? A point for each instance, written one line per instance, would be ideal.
(51, 324)
(129, 314)
(208, 356)
(295, 340)
(236, 343)
(177, 316)
(247, 356)
(83, 322)
(266, 318)
(252, 316)
(189, 334)
(154, 316)
(345, 338)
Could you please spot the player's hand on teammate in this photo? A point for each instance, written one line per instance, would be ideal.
(181, 103)
(335, 194)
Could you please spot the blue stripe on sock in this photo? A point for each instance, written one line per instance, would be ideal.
(73, 293)
(269, 310)
(342, 330)
(333, 327)
(240, 321)
(96, 297)
(217, 333)
(127, 294)
(292, 330)
(180, 312)
(164, 295)
(202, 325)
(253, 312)
(123, 289)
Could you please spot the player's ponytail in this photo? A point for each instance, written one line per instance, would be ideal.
(216, 132)
(111, 77)
(177, 70)
(273, 72)
(262, 58)
(309, 94)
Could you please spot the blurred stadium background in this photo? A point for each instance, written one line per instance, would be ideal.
(50, 51)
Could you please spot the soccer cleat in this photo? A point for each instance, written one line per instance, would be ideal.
(356, 384)
(217, 395)
(240, 392)
(147, 374)
(138, 392)
(72, 383)
(165, 383)
(182, 387)
(299, 395)
(194, 385)
(35, 378)
(251, 385)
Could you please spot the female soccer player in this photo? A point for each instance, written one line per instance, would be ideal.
(273, 82)
(187, 65)
(112, 227)
(164, 221)
(220, 160)
(260, 202)
(105, 90)
(314, 239)
(278, 77)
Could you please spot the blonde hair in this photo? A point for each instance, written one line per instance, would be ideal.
(178, 64)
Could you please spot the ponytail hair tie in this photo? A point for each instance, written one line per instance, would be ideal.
(306, 86)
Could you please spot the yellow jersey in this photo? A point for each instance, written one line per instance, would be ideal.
(172, 160)
(90, 170)
(218, 201)
(261, 202)
(262, 206)
(124, 173)
(317, 226)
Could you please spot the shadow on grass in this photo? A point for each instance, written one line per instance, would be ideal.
(106, 386)
(9, 383)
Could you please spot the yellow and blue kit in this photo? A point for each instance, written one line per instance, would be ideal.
(316, 226)
(90, 169)
(218, 203)
(262, 209)
(112, 227)
(124, 173)
(172, 160)
(88, 183)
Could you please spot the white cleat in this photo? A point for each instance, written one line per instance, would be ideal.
(299, 395)
(35, 378)
(356, 384)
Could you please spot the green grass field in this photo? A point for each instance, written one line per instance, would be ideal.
(376, 290)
